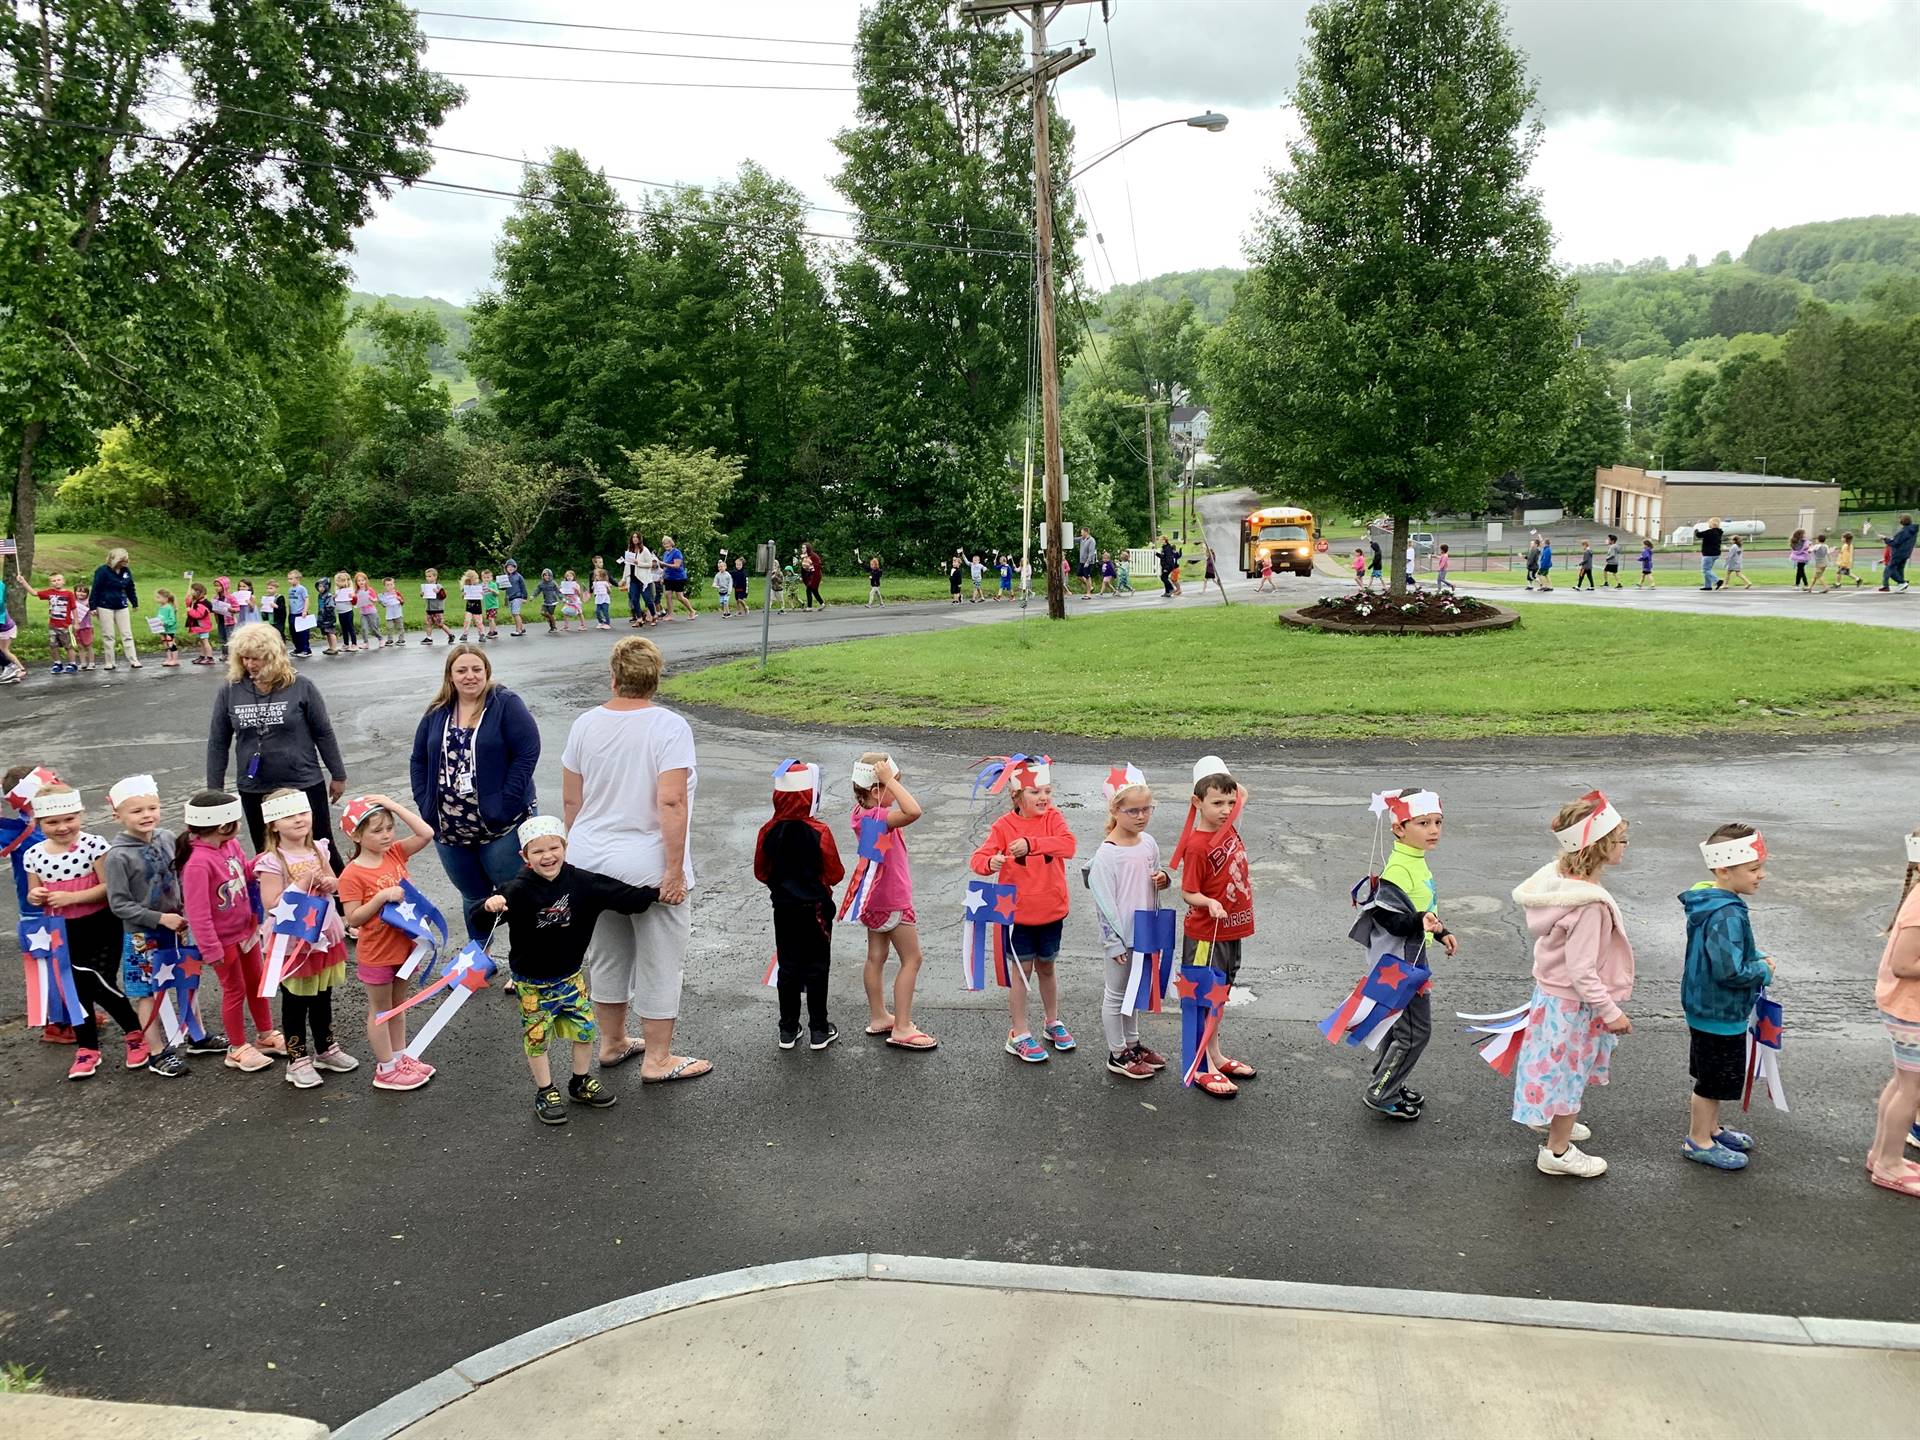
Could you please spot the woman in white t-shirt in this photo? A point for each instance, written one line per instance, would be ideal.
(627, 784)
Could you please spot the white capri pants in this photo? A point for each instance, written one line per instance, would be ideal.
(108, 622)
(638, 960)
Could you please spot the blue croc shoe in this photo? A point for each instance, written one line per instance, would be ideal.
(1734, 1140)
(1716, 1155)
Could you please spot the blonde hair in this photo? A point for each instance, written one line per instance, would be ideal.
(341, 579)
(116, 556)
(273, 836)
(472, 577)
(636, 666)
(868, 796)
(259, 641)
(54, 787)
(1589, 860)
(1113, 803)
(1906, 889)
(359, 577)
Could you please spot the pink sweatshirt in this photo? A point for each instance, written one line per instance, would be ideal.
(213, 886)
(1580, 947)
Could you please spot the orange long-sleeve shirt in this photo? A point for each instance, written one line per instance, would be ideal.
(1039, 878)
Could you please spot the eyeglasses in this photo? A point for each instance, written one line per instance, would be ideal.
(1135, 812)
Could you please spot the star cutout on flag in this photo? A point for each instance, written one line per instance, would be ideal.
(975, 900)
(406, 911)
(163, 976)
(1004, 908)
(284, 911)
(41, 939)
(1187, 989)
(1769, 1033)
(1391, 974)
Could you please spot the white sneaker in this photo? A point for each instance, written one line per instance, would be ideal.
(302, 1074)
(1580, 1131)
(1586, 1167)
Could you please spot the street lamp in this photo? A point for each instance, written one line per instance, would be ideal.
(1213, 122)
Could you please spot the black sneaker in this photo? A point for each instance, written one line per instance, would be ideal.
(169, 1064)
(789, 1036)
(1412, 1097)
(549, 1107)
(1393, 1108)
(587, 1090)
(820, 1039)
(212, 1043)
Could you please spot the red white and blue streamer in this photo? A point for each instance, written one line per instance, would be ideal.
(48, 963)
(299, 924)
(419, 917)
(1764, 1035)
(1203, 993)
(1151, 967)
(1378, 1000)
(15, 831)
(876, 839)
(1508, 1029)
(469, 971)
(986, 936)
(176, 980)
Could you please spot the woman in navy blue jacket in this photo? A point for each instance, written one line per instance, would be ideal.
(113, 596)
(474, 754)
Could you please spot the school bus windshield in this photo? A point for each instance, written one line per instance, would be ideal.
(1283, 532)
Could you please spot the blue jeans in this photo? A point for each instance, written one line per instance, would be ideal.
(602, 613)
(476, 870)
(1707, 577)
(636, 598)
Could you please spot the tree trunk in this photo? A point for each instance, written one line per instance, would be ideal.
(20, 521)
(1397, 561)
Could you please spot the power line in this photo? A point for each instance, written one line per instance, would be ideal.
(629, 29)
(654, 84)
(1119, 128)
(657, 54)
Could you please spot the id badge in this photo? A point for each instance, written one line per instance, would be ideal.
(253, 767)
(465, 785)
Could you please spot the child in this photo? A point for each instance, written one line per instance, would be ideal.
(1582, 971)
(219, 909)
(1546, 565)
(549, 593)
(553, 908)
(68, 882)
(221, 603)
(293, 860)
(473, 596)
(200, 623)
(1822, 552)
(879, 794)
(1736, 564)
(1613, 563)
(143, 891)
(12, 672)
(273, 607)
(1029, 847)
(954, 581)
(1442, 563)
(368, 605)
(396, 613)
(370, 882)
(1843, 563)
(1006, 577)
(1533, 560)
(796, 858)
(490, 599)
(17, 850)
(1397, 919)
(979, 570)
(435, 596)
(1799, 553)
(1123, 581)
(1266, 575)
(248, 611)
(1586, 567)
(723, 587)
(296, 612)
(603, 600)
(1125, 877)
(338, 597)
(783, 580)
(1218, 893)
(1724, 972)
(1376, 565)
(83, 639)
(1360, 571)
(169, 618)
(1646, 564)
(60, 602)
(1897, 994)
(323, 593)
(873, 581)
(742, 582)
(514, 584)
(570, 608)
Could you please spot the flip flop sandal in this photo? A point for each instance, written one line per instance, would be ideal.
(1906, 1185)
(882, 1030)
(1216, 1085)
(918, 1040)
(683, 1071)
(1238, 1069)
(634, 1047)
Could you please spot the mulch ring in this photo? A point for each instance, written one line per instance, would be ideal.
(1417, 610)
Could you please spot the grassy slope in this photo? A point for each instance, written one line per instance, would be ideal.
(1237, 672)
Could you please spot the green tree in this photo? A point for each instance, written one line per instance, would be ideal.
(1595, 435)
(1404, 336)
(1115, 454)
(681, 493)
(174, 176)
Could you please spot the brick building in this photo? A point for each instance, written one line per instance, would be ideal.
(1656, 502)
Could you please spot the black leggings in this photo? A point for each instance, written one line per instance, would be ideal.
(299, 1013)
(95, 953)
(346, 628)
(1800, 572)
(813, 592)
(803, 939)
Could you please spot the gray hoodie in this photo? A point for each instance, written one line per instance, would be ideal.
(142, 884)
(282, 728)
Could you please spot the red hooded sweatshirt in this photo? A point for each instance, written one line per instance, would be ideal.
(795, 856)
(1039, 878)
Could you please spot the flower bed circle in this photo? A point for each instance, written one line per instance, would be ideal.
(1420, 612)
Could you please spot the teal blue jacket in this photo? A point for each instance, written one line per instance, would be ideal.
(1724, 969)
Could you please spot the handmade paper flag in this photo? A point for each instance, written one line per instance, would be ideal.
(772, 975)
(1369, 1011)
(876, 841)
(1763, 1052)
(14, 830)
(420, 918)
(299, 924)
(985, 935)
(1152, 964)
(470, 970)
(30, 785)
(176, 978)
(48, 963)
(1203, 994)
(1509, 1031)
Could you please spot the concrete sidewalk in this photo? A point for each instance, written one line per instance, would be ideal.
(871, 1345)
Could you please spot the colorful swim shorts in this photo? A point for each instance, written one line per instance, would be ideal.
(551, 1009)
(1905, 1035)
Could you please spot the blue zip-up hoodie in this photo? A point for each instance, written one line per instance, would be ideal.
(1724, 968)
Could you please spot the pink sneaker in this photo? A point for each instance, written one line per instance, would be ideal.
(245, 1057)
(85, 1062)
(420, 1065)
(137, 1055)
(400, 1076)
(271, 1042)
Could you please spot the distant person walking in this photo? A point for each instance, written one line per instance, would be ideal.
(1736, 558)
(114, 599)
(812, 569)
(1169, 569)
(1899, 551)
(1710, 536)
(1799, 552)
(1089, 562)
(1533, 559)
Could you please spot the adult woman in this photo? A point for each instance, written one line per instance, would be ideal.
(474, 751)
(1709, 535)
(113, 597)
(812, 570)
(628, 781)
(673, 566)
(633, 579)
(277, 725)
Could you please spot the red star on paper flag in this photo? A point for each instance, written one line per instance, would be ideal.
(1392, 974)
(1769, 1032)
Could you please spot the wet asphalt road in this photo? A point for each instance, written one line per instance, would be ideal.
(230, 1241)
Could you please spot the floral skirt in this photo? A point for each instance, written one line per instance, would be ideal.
(1566, 1050)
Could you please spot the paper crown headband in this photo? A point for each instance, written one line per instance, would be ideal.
(1208, 765)
(538, 827)
(1723, 854)
(30, 785)
(61, 802)
(125, 790)
(1023, 772)
(1913, 849)
(862, 772)
(212, 817)
(796, 777)
(285, 807)
(1120, 777)
(356, 812)
(1592, 828)
(1400, 808)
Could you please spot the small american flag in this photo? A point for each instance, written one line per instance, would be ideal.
(9, 546)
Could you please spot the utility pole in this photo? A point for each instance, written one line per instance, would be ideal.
(1145, 408)
(1045, 68)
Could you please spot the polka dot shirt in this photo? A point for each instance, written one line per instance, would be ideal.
(70, 871)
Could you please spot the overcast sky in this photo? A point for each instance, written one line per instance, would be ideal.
(1673, 126)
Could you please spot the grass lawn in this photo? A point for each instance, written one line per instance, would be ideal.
(1238, 673)
(1668, 574)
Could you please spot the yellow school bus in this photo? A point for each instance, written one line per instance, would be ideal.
(1285, 533)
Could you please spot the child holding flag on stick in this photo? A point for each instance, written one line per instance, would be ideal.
(1125, 878)
(1722, 976)
(1218, 892)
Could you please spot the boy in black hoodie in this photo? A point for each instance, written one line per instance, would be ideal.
(798, 861)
